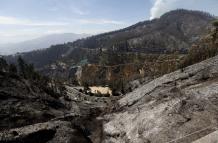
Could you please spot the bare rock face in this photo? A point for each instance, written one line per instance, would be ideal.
(211, 138)
(180, 107)
(48, 132)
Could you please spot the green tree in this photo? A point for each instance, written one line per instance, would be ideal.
(22, 67)
(104, 59)
(215, 24)
(27, 70)
(214, 35)
(30, 71)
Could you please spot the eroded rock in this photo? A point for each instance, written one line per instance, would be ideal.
(179, 107)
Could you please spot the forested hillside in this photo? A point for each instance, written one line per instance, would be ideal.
(174, 32)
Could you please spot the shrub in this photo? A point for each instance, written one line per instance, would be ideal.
(215, 23)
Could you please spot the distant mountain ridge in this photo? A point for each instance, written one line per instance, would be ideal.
(40, 43)
(173, 32)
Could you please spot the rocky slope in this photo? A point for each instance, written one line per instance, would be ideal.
(28, 114)
(23, 103)
(180, 107)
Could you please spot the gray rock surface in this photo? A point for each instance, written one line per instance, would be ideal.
(180, 107)
(211, 138)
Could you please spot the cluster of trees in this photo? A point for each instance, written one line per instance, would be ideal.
(40, 58)
(118, 87)
(215, 24)
(206, 49)
(26, 71)
(22, 69)
(5, 67)
(111, 58)
(197, 54)
(198, 13)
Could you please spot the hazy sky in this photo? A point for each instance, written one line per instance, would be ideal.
(27, 19)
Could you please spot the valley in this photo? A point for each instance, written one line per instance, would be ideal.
(153, 82)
